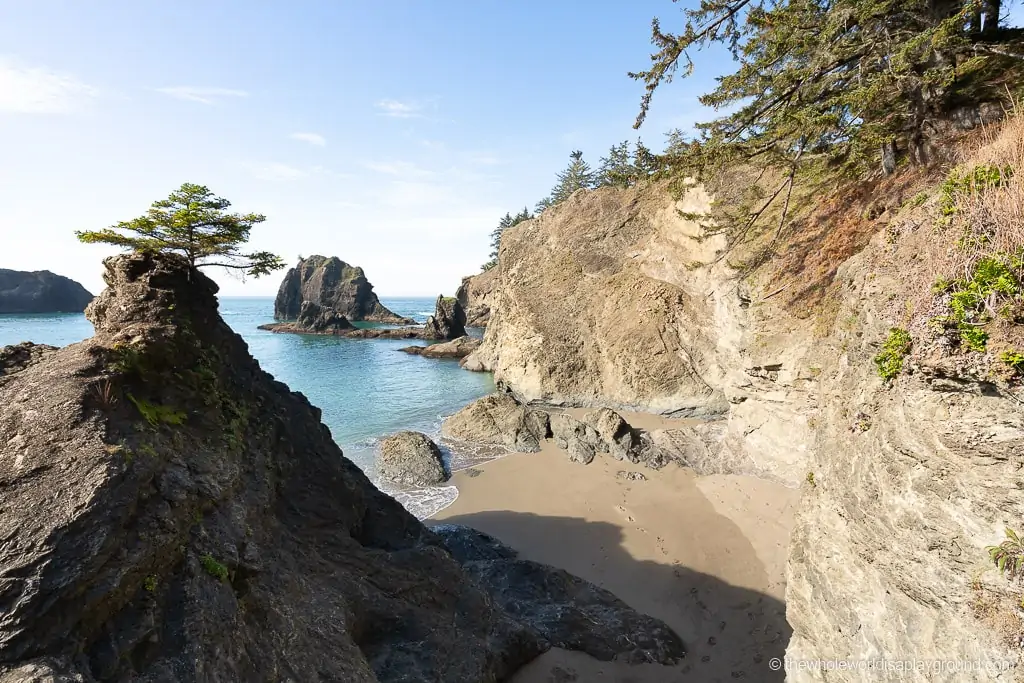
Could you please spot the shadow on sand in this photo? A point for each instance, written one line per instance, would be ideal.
(730, 632)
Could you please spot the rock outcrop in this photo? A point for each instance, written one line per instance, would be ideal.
(172, 513)
(476, 294)
(456, 348)
(335, 285)
(319, 320)
(448, 321)
(40, 292)
(410, 459)
(499, 420)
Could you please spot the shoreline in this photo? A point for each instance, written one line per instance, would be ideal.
(706, 554)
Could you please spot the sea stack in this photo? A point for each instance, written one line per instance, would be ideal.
(335, 285)
(40, 292)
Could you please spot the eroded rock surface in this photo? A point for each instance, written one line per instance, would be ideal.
(448, 321)
(410, 459)
(476, 294)
(333, 284)
(498, 420)
(456, 348)
(172, 513)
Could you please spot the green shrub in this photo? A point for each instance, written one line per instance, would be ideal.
(1015, 359)
(213, 567)
(894, 350)
(1008, 556)
(156, 414)
(150, 583)
(965, 182)
(994, 279)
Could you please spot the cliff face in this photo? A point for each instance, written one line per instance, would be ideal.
(476, 294)
(333, 284)
(40, 292)
(172, 513)
(609, 299)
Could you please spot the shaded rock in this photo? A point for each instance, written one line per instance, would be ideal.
(578, 438)
(411, 459)
(20, 356)
(570, 612)
(477, 294)
(499, 420)
(456, 348)
(616, 436)
(315, 318)
(448, 321)
(207, 527)
(333, 284)
(40, 292)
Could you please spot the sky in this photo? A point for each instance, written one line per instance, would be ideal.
(393, 134)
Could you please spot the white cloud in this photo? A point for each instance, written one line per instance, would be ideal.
(400, 110)
(36, 90)
(311, 138)
(201, 95)
(275, 171)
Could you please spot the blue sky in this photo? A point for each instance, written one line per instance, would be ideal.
(393, 134)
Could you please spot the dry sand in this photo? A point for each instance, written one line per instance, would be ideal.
(705, 554)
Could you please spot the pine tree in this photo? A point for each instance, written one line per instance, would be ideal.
(617, 169)
(507, 221)
(578, 175)
(193, 223)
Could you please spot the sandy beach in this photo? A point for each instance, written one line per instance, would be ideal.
(705, 554)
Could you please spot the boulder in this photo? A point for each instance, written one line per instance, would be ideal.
(615, 436)
(499, 420)
(411, 459)
(571, 613)
(456, 348)
(477, 294)
(207, 526)
(448, 321)
(578, 438)
(315, 318)
(40, 292)
(333, 284)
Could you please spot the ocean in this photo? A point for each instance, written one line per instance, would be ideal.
(366, 388)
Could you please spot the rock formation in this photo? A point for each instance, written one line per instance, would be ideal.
(172, 513)
(333, 284)
(40, 292)
(476, 294)
(499, 420)
(448, 321)
(615, 298)
(315, 318)
(456, 348)
(410, 459)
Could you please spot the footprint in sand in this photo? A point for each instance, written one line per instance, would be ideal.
(625, 512)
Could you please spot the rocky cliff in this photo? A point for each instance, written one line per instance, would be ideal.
(333, 284)
(40, 292)
(476, 294)
(172, 513)
(615, 298)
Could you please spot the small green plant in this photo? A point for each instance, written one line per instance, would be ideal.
(965, 182)
(156, 414)
(810, 480)
(918, 199)
(213, 567)
(894, 350)
(972, 300)
(150, 583)
(1015, 359)
(1008, 556)
(127, 359)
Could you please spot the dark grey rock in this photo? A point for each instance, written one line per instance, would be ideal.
(411, 459)
(40, 292)
(448, 321)
(333, 284)
(316, 318)
(569, 612)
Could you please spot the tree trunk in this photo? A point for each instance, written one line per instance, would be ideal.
(992, 9)
(888, 157)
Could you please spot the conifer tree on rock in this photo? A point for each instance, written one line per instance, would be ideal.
(194, 223)
(578, 175)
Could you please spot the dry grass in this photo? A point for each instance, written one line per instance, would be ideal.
(1000, 612)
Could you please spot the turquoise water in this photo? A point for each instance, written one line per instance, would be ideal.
(366, 388)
